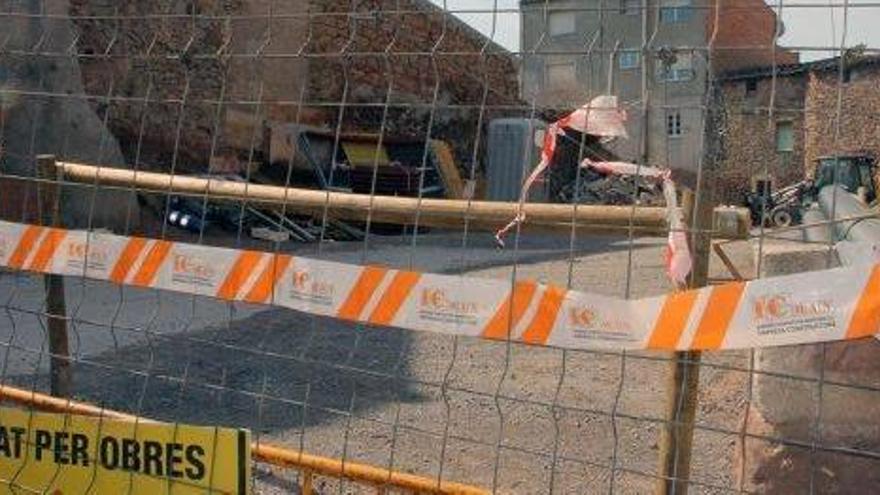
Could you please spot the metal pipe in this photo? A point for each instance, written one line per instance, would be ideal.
(483, 215)
(361, 472)
(48, 403)
(271, 454)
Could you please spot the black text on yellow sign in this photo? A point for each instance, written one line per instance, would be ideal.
(69, 454)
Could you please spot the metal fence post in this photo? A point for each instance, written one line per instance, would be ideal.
(49, 197)
(684, 377)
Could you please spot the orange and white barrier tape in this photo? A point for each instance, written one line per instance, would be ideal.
(842, 303)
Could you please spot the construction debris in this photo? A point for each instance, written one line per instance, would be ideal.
(594, 187)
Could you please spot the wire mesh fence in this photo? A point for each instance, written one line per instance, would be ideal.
(402, 117)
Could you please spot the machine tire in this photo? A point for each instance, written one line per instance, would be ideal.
(781, 217)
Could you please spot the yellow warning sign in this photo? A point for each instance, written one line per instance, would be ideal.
(63, 454)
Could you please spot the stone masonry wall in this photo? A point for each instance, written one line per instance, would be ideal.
(859, 111)
(747, 134)
(158, 75)
(410, 45)
(215, 70)
(415, 57)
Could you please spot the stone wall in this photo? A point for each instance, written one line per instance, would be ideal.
(745, 140)
(215, 71)
(742, 138)
(156, 77)
(418, 59)
(410, 45)
(859, 110)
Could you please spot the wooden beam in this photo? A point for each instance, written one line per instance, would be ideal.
(450, 213)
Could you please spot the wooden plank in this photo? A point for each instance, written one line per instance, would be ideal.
(448, 169)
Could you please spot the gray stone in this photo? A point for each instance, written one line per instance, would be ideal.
(45, 113)
(787, 401)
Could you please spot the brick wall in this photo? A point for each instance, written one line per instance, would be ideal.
(745, 36)
(860, 111)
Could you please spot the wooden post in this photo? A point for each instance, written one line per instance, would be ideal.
(684, 377)
(307, 482)
(49, 196)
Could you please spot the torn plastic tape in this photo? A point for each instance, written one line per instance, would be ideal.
(678, 256)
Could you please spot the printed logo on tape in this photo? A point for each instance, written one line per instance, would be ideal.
(436, 303)
(784, 312)
(192, 268)
(312, 288)
(89, 254)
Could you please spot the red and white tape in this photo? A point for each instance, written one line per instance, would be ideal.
(600, 117)
(603, 117)
(678, 256)
(837, 304)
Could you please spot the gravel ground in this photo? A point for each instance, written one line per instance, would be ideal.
(512, 418)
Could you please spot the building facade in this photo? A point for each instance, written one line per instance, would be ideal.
(781, 125)
(842, 111)
(748, 140)
(656, 55)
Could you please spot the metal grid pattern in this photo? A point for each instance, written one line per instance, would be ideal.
(152, 87)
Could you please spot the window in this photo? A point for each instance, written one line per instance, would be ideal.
(675, 11)
(628, 59)
(673, 124)
(681, 70)
(630, 7)
(561, 75)
(560, 23)
(751, 87)
(784, 136)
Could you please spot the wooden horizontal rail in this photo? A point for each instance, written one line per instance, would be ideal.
(270, 454)
(431, 212)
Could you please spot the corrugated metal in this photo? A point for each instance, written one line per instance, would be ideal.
(512, 154)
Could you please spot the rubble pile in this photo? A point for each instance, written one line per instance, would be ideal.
(594, 187)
